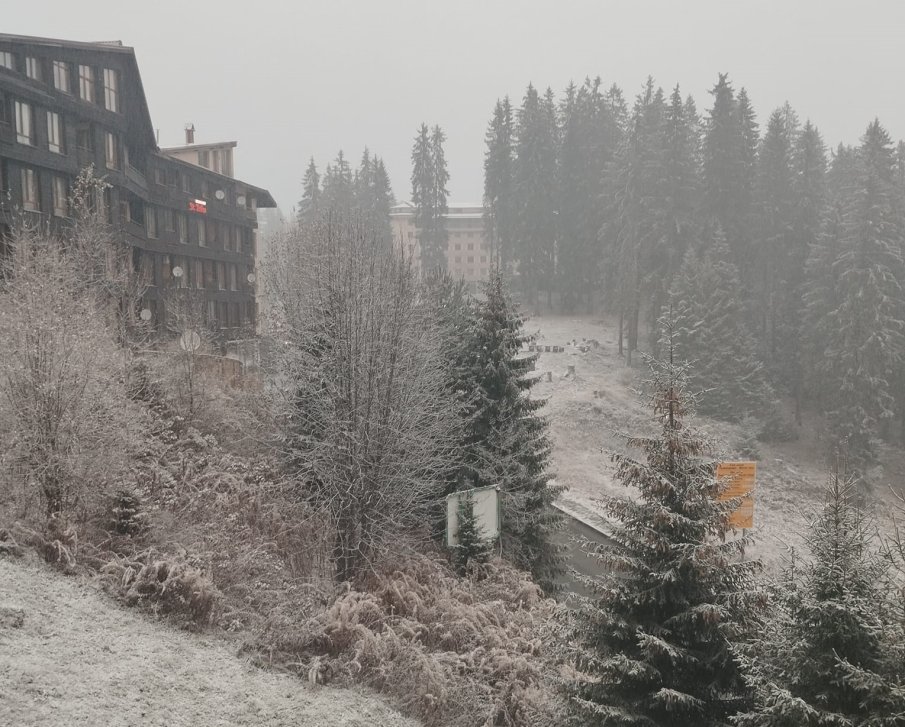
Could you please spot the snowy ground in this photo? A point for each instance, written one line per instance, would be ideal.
(586, 429)
(79, 659)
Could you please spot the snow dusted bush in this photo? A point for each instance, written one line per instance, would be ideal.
(451, 651)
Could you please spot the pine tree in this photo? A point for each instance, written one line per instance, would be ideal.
(657, 644)
(338, 195)
(508, 445)
(638, 172)
(587, 134)
(441, 179)
(865, 341)
(830, 654)
(711, 336)
(534, 174)
(777, 268)
(729, 155)
(498, 185)
(473, 546)
(309, 206)
(429, 179)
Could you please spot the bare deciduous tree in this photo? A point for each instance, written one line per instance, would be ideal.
(63, 410)
(370, 425)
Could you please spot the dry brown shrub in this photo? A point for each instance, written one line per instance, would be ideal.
(450, 651)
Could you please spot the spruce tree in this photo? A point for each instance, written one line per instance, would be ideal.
(473, 546)
(830, 654)
(498, 185)
(534, 175)
(587, 145)
(657, 641)
(778, 269)
(338, 194)
(508, 444)
(429, 179)
(712, 337)
(865, 340)
(309, 206)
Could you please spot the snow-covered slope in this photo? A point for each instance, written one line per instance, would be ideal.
(79, 659)
(587, 428)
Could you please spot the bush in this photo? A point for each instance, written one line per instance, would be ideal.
(127, 515)
(450, 651)
(170, 586)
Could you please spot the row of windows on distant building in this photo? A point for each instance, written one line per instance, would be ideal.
(221, 314)
(160, 222)
(62, 74)
(179, 271)
(25, 117)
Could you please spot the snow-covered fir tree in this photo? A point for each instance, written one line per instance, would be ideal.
(473, 545)
(656, 641)
(830, 654)
(498, 185)
(508, 445)
(712, 337)
(429, 179)
(309, 205)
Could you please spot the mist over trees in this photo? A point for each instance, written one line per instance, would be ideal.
(595, 204)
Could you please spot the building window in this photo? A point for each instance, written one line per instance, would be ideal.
(32, 68)
(483, 258)
(169, 220)
(198, 273)
(4, 109)
(60, 197)
(25, 128)
(166, 271)
(186, 183)
(86, 83)
(221, 276)
(204, 159)
(202, 240)
(111, 150)
(457, 246)
(30, 190)
(55, 132)
(210, 279)
(152, 222)
(471, 259)
(6, 59)
(61, 76)
(111, 90)
(84, 137)
(182, 228)
(215, 158)
(233, 278)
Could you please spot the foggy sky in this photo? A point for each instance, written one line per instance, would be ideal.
(290, 80)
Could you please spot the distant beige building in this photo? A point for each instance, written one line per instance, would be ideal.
(468, 251)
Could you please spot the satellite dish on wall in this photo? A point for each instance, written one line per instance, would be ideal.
(145, 314)
(177, 272)
(240, 200)
(251, 277)
(220, 194)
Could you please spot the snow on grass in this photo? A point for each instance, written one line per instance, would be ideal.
(78, 659)
(587, 428)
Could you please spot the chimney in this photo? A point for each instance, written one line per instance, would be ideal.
(189, 134)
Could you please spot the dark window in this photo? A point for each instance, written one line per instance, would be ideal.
(84, 137)
(152, 222)
(111, 90)
(25, 126)
(86, 83)
(5, 114)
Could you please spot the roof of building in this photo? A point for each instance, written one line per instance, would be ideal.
(116, 46)
(263, 197)
(200, 147)
(111, 46)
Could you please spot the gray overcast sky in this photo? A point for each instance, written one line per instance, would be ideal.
(289, 80)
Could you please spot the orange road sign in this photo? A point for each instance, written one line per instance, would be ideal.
(741, 477)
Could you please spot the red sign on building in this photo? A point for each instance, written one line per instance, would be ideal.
(198, 205)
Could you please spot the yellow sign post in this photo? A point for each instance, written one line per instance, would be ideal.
(741, 477)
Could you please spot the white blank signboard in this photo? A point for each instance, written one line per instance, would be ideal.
(486, 504)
